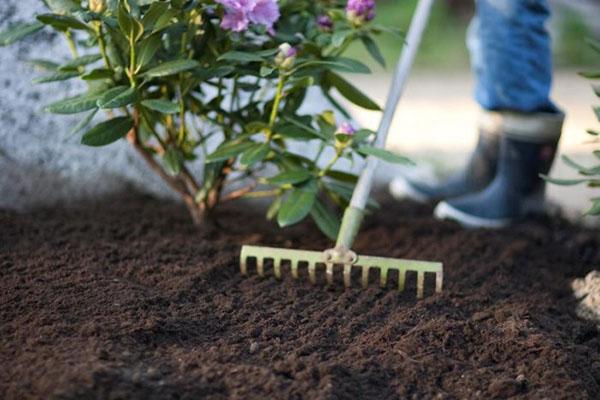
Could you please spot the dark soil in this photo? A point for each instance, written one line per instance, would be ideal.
(124, 299)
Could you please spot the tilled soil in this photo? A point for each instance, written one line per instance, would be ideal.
(125, 299)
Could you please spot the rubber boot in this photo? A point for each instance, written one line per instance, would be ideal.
(527, 149)
(478, 173)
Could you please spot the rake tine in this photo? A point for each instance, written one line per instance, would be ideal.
(365, 277)
(312, 273)
(260, 268)
(347, 275)
(439, 279)
(401, 280)
(243, 266)
(277, 267)
(295, 269)
(420, 284)
(383, 277)
(329, 273)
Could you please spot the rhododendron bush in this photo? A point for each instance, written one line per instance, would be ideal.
(220, 81)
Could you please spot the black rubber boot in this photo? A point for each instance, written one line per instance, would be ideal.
(516, 191)
(478, 173)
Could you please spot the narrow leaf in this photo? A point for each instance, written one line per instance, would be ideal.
(240, 56)
(107, 132)
(162, 106)
(326, 220)
(62, 22)
(350, 92)
(74, 105)
(172, 161)
(563, 182)
(57, 76)
(291, 177)
(80, 62)
(228, 150)
(373, 50)
(18, 32)
(119, 96)
(297, 206)
(171, 68)
(384, 155)
(255, 154)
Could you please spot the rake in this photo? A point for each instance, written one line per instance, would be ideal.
(341, 254)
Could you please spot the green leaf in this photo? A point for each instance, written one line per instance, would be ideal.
(350, 92)
(240, 57)
(107, 132)
(595, 210)
(62, 6)
(344, 64)
(362, 135)
(147, 50)
(164, 20)
(326, 220)
(44, 65)
(590, 74)
(171, 68)
(62, 22)
(274, 208)
(205, 74)
(373, 50)
(384, 155)
(172, 160)
(55, 77)
(162, 106)
(18, 32)
(291, 131)
(80, 61)
(228, 150)
(116, 97)
(84, 122)
(339, 37)
(297, 206)
(255, 154)
(306, 128)
(97, 74)
(156, 10)
(291, 177)
(563, 182)
(266, 71)
(74, 105)
(597, 112)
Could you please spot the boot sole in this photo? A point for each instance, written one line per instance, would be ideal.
(446, 211)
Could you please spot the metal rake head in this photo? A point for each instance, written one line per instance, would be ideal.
(366, 263)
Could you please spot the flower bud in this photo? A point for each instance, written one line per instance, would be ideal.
(97, 6)
(325, 23)
(286, 56)
(360, 11)
(344, 134)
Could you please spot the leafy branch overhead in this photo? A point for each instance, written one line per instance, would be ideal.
(221, 81)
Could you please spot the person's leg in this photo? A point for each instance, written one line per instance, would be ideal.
(512, 62)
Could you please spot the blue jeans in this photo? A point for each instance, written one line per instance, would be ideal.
(511, 55)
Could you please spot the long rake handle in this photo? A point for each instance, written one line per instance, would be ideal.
(354, 213)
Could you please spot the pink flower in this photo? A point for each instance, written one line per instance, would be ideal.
(240, 13)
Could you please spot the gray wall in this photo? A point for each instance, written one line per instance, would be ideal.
(40, 163)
